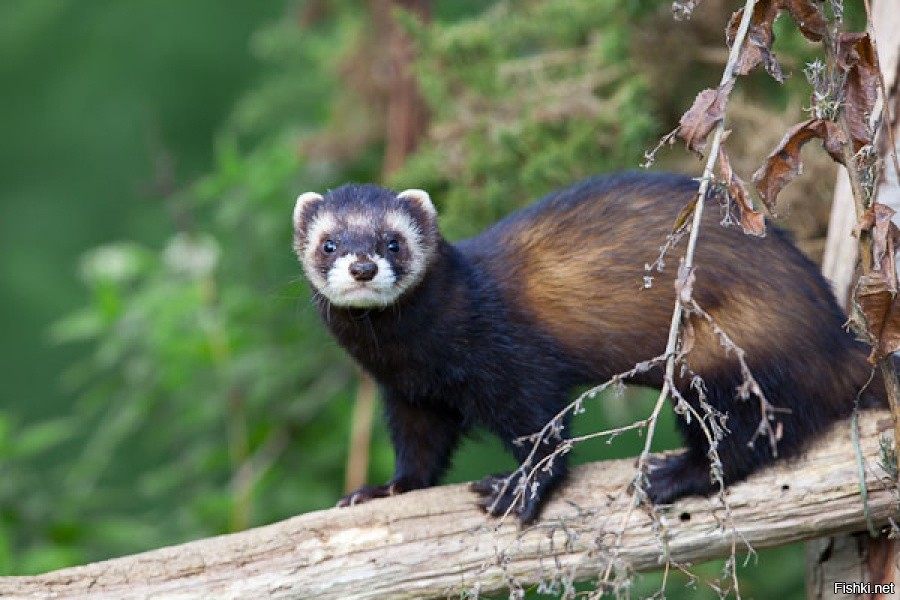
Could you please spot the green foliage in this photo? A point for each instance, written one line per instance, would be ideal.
(209, 343)
(526, 97)
(207, 381)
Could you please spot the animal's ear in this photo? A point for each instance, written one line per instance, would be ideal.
(421, 199)
(304, 200)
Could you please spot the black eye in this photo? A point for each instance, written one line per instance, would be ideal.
(329, 246)
(393, 246)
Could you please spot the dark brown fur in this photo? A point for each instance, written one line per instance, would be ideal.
(505, 324)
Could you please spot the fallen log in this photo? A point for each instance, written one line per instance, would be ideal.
(435, 543)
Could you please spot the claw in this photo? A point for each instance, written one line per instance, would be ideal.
(675, 476)
(366, 493)
(500, 494)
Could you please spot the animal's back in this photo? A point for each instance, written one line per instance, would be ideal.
(575, 263)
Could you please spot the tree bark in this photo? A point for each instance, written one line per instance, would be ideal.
(435, 543)
(407, 113)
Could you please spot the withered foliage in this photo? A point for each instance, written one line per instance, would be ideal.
(702, 118)
(760, 37)
(844, 98)
(683, 217)
(758, 45)
(856, 58)
(856, 65)
(876, 292)
(877, 220)
(784, 163)
(752, 221)
(808, 17)
(854, 82)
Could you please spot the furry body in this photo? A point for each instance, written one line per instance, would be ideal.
(495, 331)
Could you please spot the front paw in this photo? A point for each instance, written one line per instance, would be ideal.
(366, 493)
(502, 494)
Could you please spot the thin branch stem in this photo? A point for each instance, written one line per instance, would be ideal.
(885, 109)
(687, 266)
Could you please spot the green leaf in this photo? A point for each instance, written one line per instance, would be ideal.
(39, 438)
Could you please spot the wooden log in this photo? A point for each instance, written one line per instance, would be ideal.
(435, 543)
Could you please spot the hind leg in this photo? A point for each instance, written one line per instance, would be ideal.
(678, 475)
(690, 473)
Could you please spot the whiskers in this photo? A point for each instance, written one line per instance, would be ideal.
(323, 304)
(326, 305)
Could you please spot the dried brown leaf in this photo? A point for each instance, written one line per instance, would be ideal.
(784, 163)
(877, 298)
(876, 293)
(885, 238)
(848, 49)
(752, 221)
(856, 56)
(757, 47)
(684, 215)
(703, 116)
(760, 35)
(809, 18)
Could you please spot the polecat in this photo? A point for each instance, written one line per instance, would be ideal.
(496, 330)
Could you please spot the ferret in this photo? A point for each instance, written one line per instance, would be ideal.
(495, 331)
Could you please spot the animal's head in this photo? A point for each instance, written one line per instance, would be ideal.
(363, 246)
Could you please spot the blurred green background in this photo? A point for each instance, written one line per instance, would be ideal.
(165, 376)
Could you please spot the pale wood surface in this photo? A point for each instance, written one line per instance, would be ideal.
(435, 543)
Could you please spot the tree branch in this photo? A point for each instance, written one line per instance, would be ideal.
(435, 543)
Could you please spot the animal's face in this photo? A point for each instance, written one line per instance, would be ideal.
(363, 246)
